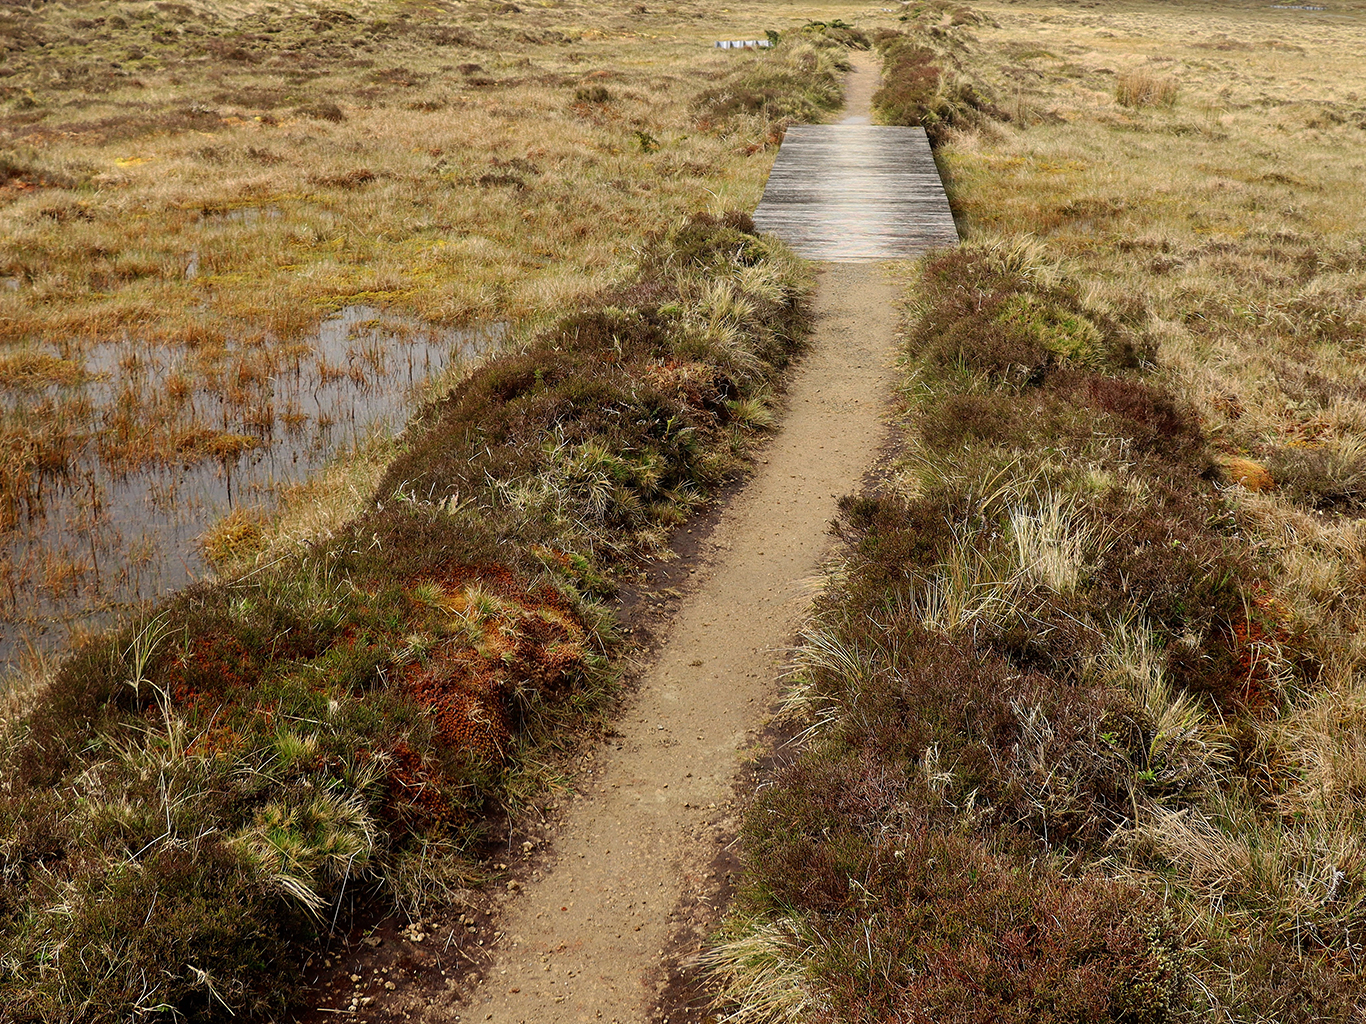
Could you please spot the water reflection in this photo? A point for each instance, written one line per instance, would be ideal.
(163, 441)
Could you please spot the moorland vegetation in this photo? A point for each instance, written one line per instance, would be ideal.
(192, 802)
(1083, 709)
(188, 189)
(187, 803)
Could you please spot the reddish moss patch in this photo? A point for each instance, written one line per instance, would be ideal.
(468, 704)
(415, 789)
(507, 642)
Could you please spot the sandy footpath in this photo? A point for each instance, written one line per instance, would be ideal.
(585, 941)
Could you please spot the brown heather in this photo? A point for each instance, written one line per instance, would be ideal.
(1083, 711)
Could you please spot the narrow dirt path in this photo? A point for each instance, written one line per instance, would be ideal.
(859, 86)
(585, 941)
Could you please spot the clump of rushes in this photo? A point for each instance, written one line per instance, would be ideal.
(1143, 89)
(197, 797)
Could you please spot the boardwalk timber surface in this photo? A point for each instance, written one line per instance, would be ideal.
(847, 192)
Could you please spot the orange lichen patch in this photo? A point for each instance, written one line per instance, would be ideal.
(1256, 639)
(217, 663)
(1249, 647)
(505, 639)
(468, 706)
(1252, 475)
(213, 742)
(1274, 607)
(554, 639)
(496, 579)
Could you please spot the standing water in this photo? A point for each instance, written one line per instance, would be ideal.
(146, 447)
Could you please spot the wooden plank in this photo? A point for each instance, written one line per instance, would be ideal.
(848, 193)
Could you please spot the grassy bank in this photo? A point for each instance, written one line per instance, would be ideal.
(1084, 702)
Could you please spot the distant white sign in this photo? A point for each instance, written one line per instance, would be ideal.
(741, 44)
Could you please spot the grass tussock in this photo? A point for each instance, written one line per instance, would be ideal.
(197, 797)
(1142, 89)
(1083, 701)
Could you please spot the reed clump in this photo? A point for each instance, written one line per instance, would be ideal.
(1142, 89)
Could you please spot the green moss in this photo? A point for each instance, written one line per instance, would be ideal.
(1067, 334)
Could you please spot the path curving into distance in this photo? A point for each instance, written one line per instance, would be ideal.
(586, 941)
(856, 191)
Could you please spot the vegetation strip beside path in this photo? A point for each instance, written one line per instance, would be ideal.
(1083, 707)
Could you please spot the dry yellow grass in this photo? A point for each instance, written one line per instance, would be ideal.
(1235, 216)
(465, 176)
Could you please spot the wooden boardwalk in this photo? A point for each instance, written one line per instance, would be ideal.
(848, 193)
